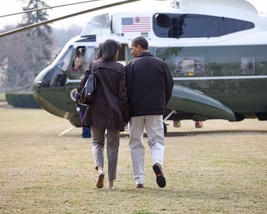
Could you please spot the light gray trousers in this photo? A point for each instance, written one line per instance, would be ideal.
(98, 144)
(155, 132)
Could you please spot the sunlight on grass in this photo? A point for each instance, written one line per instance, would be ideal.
(2, 97)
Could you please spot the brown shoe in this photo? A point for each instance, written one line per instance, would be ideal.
(100, 181)
(159, 175)
(139, 186)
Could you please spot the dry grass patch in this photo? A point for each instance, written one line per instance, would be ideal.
(218, 169)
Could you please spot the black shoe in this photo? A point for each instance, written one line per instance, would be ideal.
(100, 180)
(161, 181)
(139, 186)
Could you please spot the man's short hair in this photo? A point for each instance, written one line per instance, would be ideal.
(140, 41)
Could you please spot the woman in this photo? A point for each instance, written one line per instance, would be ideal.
(110, 112)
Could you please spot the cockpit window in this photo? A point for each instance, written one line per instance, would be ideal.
(68, 65)
(65, 61)
(56, 77)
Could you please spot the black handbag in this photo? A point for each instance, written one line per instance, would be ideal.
(88, 93)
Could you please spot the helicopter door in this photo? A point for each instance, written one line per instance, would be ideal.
(81, 57)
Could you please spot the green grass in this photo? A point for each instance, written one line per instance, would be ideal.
(207, 170)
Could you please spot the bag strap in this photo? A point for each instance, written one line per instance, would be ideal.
(93, 67)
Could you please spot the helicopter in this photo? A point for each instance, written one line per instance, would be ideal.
(216, 52)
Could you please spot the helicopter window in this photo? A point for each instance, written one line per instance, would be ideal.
(248, 65)
(186, 65)
(189, 66)
(193, 25)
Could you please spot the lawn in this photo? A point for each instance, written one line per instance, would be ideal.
(221, 168)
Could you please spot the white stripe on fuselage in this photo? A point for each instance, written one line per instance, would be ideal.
(202, 78)
(222, 78)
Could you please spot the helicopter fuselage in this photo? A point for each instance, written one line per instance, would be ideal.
(218, 62)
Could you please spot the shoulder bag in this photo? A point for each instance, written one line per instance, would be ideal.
(88, 92)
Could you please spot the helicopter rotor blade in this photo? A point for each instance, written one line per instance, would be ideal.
(46, 8)
(65, 17)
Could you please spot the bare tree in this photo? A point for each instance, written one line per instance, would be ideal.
(39, 39)
(24, 55)
(13, 66)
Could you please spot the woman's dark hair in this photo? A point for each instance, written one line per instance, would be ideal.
(140, 41)
(99, 52)
(109, 49)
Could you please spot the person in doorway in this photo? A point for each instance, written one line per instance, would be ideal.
(110, 111)
(149, 86)
(79, 59)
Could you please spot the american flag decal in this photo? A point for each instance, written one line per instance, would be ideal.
(135, 24)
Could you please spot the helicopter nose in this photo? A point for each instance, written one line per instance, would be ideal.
(39, 83)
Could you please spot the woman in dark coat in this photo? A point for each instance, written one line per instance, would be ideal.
(110, 111)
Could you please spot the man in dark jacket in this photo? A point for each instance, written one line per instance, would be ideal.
(149, 86)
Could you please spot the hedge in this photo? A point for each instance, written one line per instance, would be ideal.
(22, 100)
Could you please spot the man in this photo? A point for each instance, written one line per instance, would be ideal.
(149, 85)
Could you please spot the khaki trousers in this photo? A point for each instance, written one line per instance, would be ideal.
(98, 143)
(153, 124)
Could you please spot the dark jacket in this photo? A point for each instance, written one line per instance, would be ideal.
(110, 109)
(149, 85)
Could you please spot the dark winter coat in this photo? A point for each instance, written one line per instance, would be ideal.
(110, 109)
(149, 85)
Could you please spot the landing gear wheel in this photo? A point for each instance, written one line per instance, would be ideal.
(198, 124)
